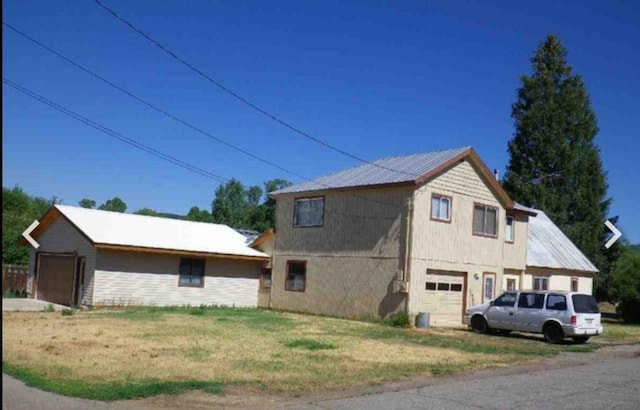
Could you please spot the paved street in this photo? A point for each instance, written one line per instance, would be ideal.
(606, 381)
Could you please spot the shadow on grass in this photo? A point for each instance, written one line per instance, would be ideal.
(109, 390)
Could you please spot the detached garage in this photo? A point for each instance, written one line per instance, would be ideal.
(91, 257)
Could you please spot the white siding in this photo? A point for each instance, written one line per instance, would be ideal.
(137, 278)
(559, 280)
(62, 237)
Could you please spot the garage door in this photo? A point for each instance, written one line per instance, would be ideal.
(55, 278)
(445, 297)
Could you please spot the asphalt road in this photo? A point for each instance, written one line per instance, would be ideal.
(595, 381)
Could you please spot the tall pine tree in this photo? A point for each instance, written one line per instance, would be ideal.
(554, 161)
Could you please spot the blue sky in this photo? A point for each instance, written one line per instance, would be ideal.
(373, 78)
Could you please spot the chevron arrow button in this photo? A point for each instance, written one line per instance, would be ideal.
(616, 234)
(27, 234)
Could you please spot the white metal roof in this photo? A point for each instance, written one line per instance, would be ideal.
(114, 228)
(383, 171)
(549, 247)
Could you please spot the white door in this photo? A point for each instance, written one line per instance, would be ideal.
(444, 297)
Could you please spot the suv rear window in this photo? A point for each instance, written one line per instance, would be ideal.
(585, 304)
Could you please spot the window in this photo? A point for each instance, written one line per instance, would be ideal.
(456, 287)
(485, 220)
(556, 302)
(511, 284)
(507, 299)
(308, 212)
(265, 278)
(296, 276)
(443, 286)
(540, 283)
(440, 208)
(488, 287)
(585, 304)
(531, 301)
(191, 272)
(430, 286)
(509, 229)
(574, 284)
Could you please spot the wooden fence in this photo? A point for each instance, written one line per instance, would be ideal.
(14, 278)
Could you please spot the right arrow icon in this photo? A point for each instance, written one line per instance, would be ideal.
(616, 234)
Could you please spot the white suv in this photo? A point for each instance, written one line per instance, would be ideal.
(556, 315)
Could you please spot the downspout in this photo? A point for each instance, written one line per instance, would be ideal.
(408, 242)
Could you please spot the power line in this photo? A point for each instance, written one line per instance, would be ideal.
(241, 98)
(150, 150)
(172, 116)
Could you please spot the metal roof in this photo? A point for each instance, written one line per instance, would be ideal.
(385, 171)
(114, 228)
(549, 247)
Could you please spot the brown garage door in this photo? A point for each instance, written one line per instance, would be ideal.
(55, 278)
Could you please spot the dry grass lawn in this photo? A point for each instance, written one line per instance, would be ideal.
(269, 350)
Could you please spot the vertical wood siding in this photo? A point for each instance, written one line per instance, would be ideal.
(138, 278)
(352, 259)
(62, 237)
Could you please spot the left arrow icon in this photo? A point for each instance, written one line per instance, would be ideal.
(27, 234)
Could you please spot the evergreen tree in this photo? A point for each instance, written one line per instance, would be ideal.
(554, 162)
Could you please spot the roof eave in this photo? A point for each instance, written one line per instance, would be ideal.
(220, 255)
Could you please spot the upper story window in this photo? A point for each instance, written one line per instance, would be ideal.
(440, 208)
(308, 212)
(191, 272)
(485, 220)
(510, 227)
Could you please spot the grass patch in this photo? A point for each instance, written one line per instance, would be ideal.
(108, 390)
(68, 312)
(309, 344)
(13, 295)
(137, 352)
(49, 308)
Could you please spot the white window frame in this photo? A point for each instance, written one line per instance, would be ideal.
(486, 276)
(436, 212)
(296, 208)
(510, 223)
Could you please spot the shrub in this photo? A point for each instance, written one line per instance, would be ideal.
(626, 285)
(400, 319)
(49, 308)
(67, 312)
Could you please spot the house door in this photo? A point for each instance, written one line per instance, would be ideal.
(56, 278)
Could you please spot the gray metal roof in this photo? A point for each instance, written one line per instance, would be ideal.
(549, 247)
(385, 171)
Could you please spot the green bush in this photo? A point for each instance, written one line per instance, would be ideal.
(625, 283)
(67, 312)
(400, 319)
(49, 308)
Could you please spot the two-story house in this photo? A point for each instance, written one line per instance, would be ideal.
(432, 232)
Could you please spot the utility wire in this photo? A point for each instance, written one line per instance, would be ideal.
(241, 98)
(139, 145)
(175, 118)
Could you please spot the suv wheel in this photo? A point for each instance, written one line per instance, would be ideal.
(479, 325)
(553, 333)
(581, 339)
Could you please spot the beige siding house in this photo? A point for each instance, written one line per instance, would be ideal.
(431, 232)
(98, 258)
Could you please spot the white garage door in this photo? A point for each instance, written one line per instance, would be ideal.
(444, 297)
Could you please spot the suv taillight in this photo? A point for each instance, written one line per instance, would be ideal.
(574, 320)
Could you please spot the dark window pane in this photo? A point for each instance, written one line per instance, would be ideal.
(443, 286)
(491, 221)
(531, 301)
(478, 219)
(585, 304)
(508, 299)
(456, 287)
(431, 286)
(556, 302)
(296, 276)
